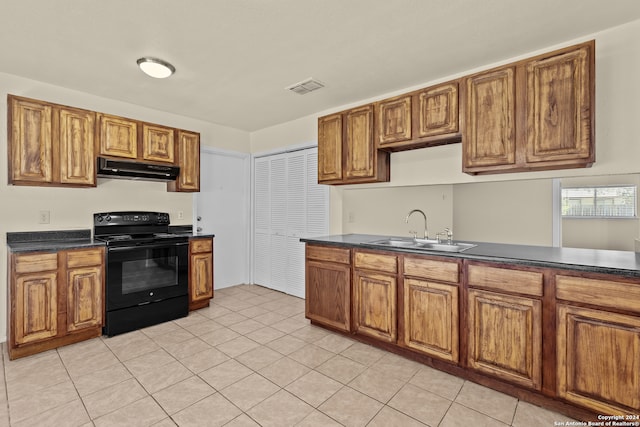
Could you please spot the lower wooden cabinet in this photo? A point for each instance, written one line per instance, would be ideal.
(597, 359)
(374, 295)
(56, 298)
(431, 318)
(505, 336)
(328, 286)
(200, 272)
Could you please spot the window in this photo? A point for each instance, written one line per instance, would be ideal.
(599, 202)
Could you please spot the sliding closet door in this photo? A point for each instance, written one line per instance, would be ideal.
(288, 204)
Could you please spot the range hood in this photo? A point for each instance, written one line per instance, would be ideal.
(126, 169)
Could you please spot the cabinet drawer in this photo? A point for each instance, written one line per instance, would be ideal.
(201, 245)
(444, 271)
(378, 262)
(603, 293)
(84, 257)
(323, 253)
(505, 279)
(35, 262)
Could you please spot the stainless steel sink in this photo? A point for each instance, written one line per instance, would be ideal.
(422, 244)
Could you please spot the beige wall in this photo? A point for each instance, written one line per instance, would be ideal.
(72, 208)
(617, 152)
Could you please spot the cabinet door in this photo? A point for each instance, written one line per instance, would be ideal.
(505, 337)
(76, 138)
(157, 143)
(489, 138)
(431, 318)
(328, 294)
(30, 155)
(375, 305)
(438, 110)
(36, 309)
(118, 136)
(189, 162)
(359, 144)
(201, 277)
(84, 298)
(394, 120)
(598, 359)
(559, 125)
(330, 148)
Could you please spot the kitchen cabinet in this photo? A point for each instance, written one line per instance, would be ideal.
(117, 136)
(200, 272)
(56, 298)
(535, 114)
(347, 152)
(423, 118)
(374, 295)
(597, 346)
(188, 154)
(157, 143)
(50, 144)
(328, 286)
(505, 323)
(430, 322)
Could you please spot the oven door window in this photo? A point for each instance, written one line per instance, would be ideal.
(145, 274)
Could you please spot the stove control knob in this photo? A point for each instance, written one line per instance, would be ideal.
(99, 218)
(108, 218)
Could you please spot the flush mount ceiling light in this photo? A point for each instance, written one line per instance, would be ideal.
(156, 68)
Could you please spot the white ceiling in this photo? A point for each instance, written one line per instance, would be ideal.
(234, 58)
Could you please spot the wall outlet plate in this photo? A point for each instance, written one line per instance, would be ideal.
(44, 217)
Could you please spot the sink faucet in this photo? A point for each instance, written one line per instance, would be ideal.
(426, 233)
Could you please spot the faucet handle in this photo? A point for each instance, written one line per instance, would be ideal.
(414, 234)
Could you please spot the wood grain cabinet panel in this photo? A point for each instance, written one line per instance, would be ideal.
(489, 138)
(188, 149)
(36, 307)
(559, 107)
(157, 143)
(375, 305)
(31, 146)
(394, 120)
(330, 148)
(117, 136)
(85, 304)
(200, 272)
(347, 151)
(431, 318)
(76, 138)
(597, 360)
(328, 293)
(505, 337)
(438, 110)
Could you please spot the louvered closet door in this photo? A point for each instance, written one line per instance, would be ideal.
(289, 204)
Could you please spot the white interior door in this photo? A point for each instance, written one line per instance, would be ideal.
(223, 208)
(288, 204)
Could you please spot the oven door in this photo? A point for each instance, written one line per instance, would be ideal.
(138, 275)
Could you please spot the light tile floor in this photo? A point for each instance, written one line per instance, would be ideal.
(249, 359)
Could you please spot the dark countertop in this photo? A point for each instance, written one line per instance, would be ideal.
(49, 241)
(623, 263)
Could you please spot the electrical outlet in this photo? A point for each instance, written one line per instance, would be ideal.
(44, 217)
(352, 217)
(180, 215)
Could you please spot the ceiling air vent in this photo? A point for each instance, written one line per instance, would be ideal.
(305, 86)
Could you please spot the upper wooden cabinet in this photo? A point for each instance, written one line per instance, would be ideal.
(347, 151)
(117, 136)
(50, 144)
(188, 154)
(423, 118)
(533, 114)
(157, 143)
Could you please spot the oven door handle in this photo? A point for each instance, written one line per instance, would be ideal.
(145, 246)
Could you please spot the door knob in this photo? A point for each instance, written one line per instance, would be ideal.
(199, 218)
